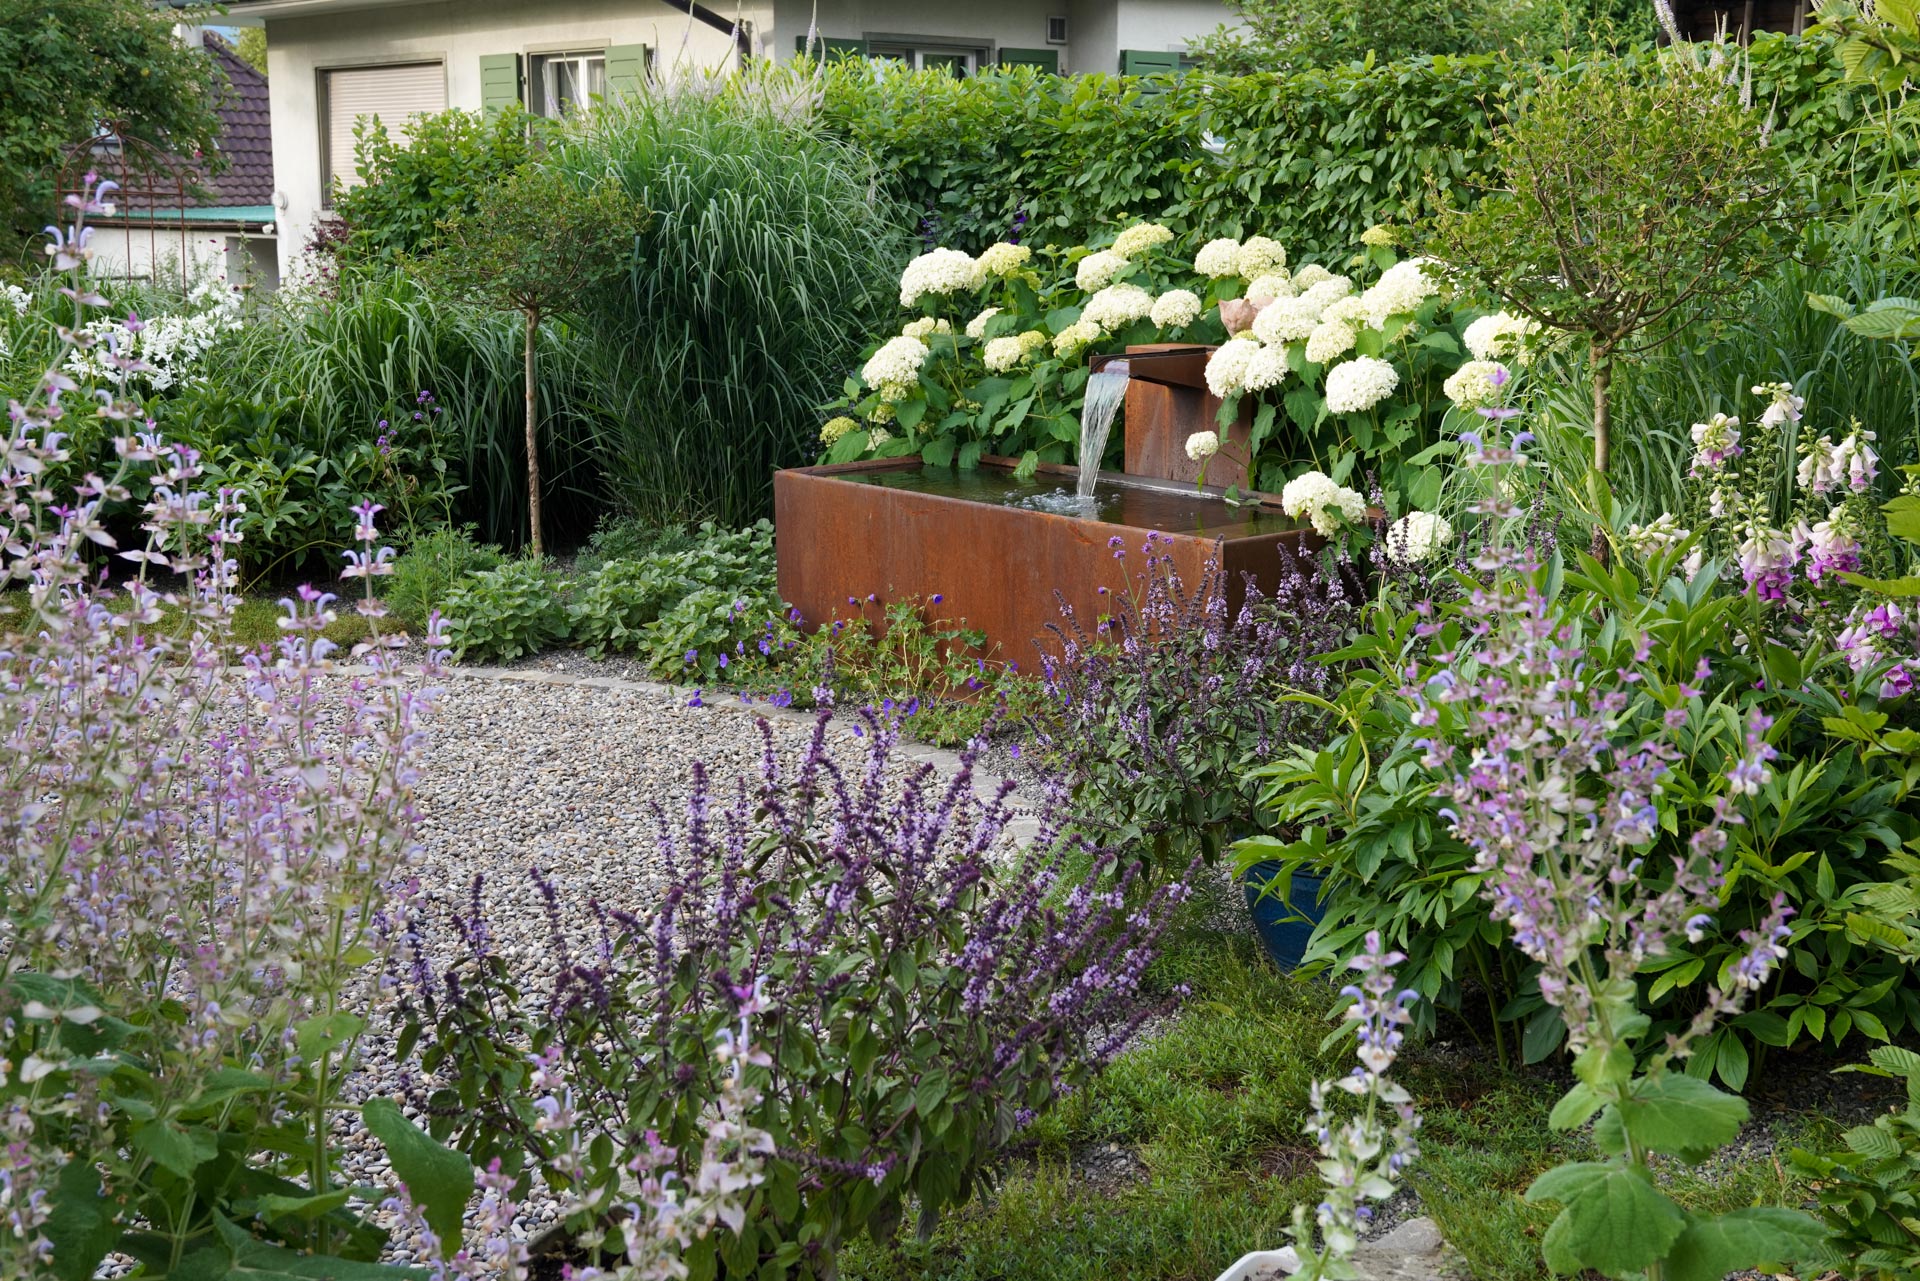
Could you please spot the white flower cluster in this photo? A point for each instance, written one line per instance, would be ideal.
(1275, 284)
(1783, 406)
(1218, 258)
(1258, 257)
(1418, 537)
(1359, 384)
(925, 327)
(169, 346)
(1203, 445)
(1118, 306)
(1075, 336)
(17, 298)
(1475, 383)
(1327, 506)
(1501, 336)
(1330, 339)
(895, 368)
(939, 271)
(1227, 367)
(1400, 290)
(1286, 320)
(1097, 269)
(1002, 354)
(1175, 308)
(1004, 259)
(1139, 238)
(1266, 369)
(977, 327)
(1661, 534)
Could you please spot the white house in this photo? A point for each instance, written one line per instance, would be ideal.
(330, 62)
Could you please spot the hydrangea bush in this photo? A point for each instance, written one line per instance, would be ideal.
(1343, 375)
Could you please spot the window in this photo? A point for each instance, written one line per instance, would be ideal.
(558, 83)
(961, 60)
(392, 95)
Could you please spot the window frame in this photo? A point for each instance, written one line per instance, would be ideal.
(979, 56)
(532, 83)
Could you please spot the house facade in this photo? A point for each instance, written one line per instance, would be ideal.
(332, 62)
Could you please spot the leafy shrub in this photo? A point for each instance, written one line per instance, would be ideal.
(924, 992)
(408, 187)
(427, 572)
(1870, 1193)
(1273, 35)
(500, 614)
(686, 608)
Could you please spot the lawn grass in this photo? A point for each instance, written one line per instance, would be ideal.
(255, 620)
(1212, 1110)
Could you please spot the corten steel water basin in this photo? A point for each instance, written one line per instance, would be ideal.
(1168, 401)
(893, 530)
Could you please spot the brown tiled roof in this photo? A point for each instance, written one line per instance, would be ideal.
(246, 135)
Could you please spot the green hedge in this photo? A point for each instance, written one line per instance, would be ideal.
(1312, 159)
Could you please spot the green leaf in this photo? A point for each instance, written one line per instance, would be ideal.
(910, 412)
(1681, 1115)
(1575, 1107)
(439, 1179)
(177, 1149)
(1903, 521)
(1762, 1237)
(1873, 1142)
(80, 1223)
(1614, 1219)
(1889, 318)
(938, 452)
(324, 1033)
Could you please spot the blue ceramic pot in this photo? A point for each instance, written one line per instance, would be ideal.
(1284, 924)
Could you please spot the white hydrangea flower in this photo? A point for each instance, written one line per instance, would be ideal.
(1227, 367)
(1286, 320)
(1350, 311)
(1032, 339)
(1419, 536)
(1075, 336)
(895, 368)
(1475, 383)
(1258, 256)
(940, 271)
(1139, 238)
(925, 327)
(1400, 290)
(1310, 275)
(878, 437)
(1002, 354)
(1329, 507)
(1266, 369)
(1118, 306)
(977, 327)
(1330, 339)
(1275, 284)
(1500, 336)
(1324, 293)
(1218, 258)
(1096, 270)
(1175, 308)
(1203, 445)
(1004, 259)
(1360, 384)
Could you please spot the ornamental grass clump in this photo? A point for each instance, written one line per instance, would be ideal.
(921, 988)
(193, 847)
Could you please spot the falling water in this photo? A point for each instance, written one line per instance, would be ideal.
(1105, 391)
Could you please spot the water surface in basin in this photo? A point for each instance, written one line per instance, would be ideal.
(1172, 509)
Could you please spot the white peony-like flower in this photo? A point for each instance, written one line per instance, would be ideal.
(1175, 308)
(941, 271)
(1419, 536)
(1258, 256)
(925, 327)
(1096, 270)
(1475, 383)
(1118, 306)
(1501, 336)
(1274, 284)
(977, 327)
(1227, 367)
(1203, 445)
(1002, 354)
(1139, 238)
(1004, 259)
(1400, 290)
(1267, 368)
(1360, 384)
(1217, 258)
(1329, 340)
(895, 368)
(1286, 320)
(1327, 506)
(1075, 336)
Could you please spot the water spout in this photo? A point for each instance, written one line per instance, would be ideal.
(1106, 390)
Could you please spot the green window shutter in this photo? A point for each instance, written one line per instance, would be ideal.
(1045, 59)
(1145, 62)
(499, 81)
(626, 69)
(827, 48)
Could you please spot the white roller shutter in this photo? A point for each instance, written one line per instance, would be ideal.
(393, 94)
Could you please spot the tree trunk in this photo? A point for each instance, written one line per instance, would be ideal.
(1601, 357)
(533, 438)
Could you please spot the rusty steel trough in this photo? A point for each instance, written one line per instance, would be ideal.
(894, 530)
